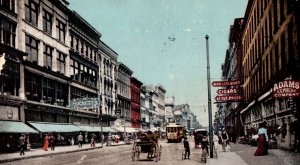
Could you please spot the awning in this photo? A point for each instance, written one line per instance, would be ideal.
(15, 127)
(108, 129)
(88, 128)
(55, 127)
(127, 129)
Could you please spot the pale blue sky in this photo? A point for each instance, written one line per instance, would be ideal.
(163, 42)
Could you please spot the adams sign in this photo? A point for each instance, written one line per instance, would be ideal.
(286, 88)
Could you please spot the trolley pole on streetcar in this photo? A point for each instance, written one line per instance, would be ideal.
(209, 101)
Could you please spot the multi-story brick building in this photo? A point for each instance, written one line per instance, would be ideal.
(135, 105)
(270, 55)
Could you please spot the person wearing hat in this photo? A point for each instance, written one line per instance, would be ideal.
(22, 144)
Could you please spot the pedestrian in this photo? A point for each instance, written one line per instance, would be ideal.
(186, 148)
(262, 148)
(22, 144)
(224, 138)
(80, 140)
(46, 142)
(93, 140)
(52, 142)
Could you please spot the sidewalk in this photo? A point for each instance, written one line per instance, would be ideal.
(225, 158)
(33, 153)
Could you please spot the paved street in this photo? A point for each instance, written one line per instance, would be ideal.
(115, 155)
(120, 154)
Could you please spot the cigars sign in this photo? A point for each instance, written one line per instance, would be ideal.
(286, 88)
(227, 95)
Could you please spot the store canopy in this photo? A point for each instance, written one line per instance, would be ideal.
(15, 127)
(55, 127)
(108, 129)
(127, 129)
(88, 128)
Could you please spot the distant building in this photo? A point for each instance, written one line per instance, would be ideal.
(135, 106)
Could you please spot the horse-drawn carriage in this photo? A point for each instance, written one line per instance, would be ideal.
(146, 145)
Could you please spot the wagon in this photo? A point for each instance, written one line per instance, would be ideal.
(153, 150)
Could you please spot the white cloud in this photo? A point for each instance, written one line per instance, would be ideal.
(188, 30)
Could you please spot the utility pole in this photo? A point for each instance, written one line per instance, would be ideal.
(209, 101)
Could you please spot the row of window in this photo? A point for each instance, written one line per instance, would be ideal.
(42, 89)
(83, 48)
(83, 73)
(31, 16)
(275, 60)
(32, 48)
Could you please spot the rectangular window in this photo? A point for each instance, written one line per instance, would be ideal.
(60, 31)
(48, 56)
(8, 4)
(31, 48)
(47, 22)
(33, 86)
(61, 62)
(48, 90)
(31, 12)
(7, 33)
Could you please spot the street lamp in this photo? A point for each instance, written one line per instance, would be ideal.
(209, 101)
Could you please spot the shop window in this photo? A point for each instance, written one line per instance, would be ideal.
(48, 91)
(33, 86)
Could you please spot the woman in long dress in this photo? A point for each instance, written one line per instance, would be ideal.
(262, 148)
(46, 143)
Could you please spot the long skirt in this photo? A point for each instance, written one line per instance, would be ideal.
(262, 148)
(46, 144)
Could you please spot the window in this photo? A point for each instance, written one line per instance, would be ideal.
(60, 31)
(33, 87)
(9, 77)
(48, 56)
(31, 48)
(47, 22)
(7, 33)
(48, 90)
(8, 4)
(61, 62)
(31, 12)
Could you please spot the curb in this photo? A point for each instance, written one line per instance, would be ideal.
(56, 153)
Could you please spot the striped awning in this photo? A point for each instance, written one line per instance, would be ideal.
(15, 127)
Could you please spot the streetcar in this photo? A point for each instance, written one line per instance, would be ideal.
(175, 132)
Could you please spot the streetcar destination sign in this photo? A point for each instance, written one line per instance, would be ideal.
(286, 88)
(225, 83)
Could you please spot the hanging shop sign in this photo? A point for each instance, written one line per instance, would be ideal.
(225, 83)
(286, 88)
(227, 91)
(228, 98)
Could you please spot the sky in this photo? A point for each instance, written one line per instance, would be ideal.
(163, 42)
